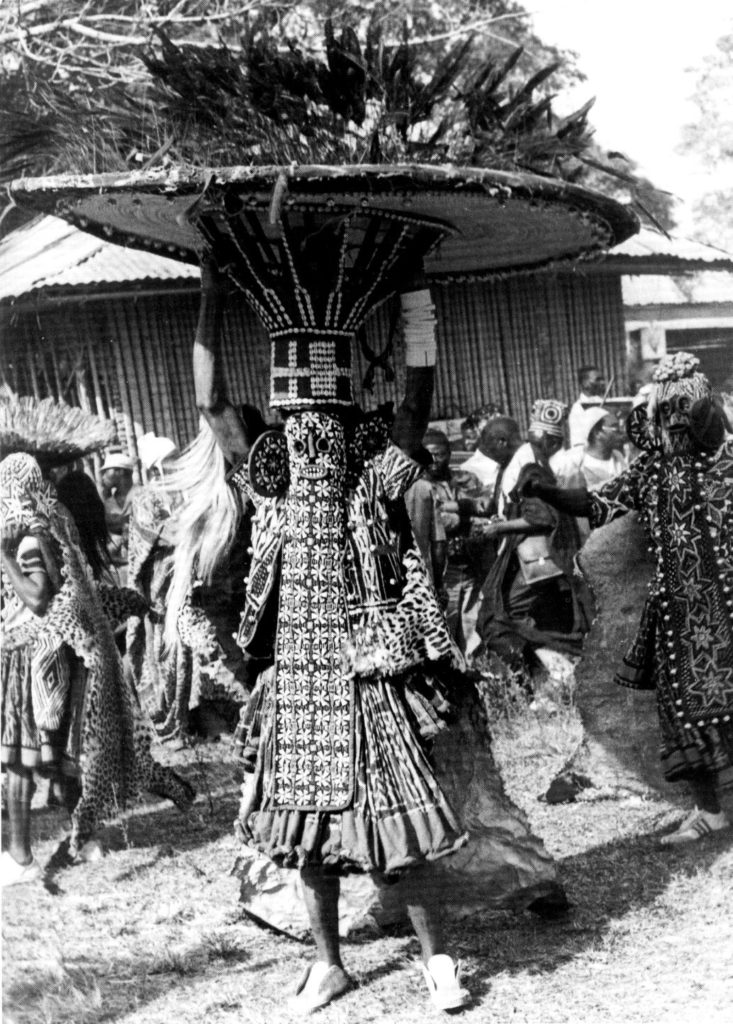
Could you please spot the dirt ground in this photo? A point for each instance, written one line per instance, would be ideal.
(152, 933)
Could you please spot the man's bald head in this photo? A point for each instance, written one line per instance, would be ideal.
(500, 438)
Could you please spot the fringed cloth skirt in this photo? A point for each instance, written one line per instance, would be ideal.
(398, 816)
(684, 751)
(24, 743)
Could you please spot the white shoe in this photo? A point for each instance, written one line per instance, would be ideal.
(318, 985)
(443, 978)
(13, 873)
(696, 825)
(91, 851)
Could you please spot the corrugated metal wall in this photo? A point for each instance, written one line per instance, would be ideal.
(507, 341)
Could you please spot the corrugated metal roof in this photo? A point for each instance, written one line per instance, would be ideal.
(50, 254)
(649, 244)
(710, 286)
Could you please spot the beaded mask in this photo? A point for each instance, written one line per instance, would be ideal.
(26, 500)
(679, 385)
(271, 458)
(316, 448)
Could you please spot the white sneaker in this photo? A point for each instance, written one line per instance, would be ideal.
(696, 825)
(13, 873)
(443, 978)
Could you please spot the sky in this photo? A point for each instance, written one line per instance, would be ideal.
(639, 58)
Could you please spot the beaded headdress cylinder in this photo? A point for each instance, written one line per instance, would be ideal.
(310, 369)
(548, 417)
(313, 267)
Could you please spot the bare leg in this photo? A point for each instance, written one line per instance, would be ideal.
(322, 903)
(702, 785)
(442, 973)
(20, 793)
(424, 910)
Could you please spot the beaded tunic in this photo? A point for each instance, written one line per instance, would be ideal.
(352, 603)
(685, 643)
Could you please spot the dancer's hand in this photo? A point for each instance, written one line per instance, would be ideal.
(708, 423)
(247, 805)
(212, 279)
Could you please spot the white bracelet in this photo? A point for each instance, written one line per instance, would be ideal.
(418, 324)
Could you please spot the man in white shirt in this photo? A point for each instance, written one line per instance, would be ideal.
(592, 388)
(598, 459)
(498, 441)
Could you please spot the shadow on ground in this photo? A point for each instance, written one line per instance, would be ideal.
(604, 883)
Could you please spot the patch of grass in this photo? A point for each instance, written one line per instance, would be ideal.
(63, 995)
(182, 962)
(648, 941)
(222, 945)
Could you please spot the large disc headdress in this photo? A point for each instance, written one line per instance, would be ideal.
(315, 249)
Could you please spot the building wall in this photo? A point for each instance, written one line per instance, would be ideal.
(129, 358)
(706, 330)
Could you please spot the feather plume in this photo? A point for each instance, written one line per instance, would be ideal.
(49, 430)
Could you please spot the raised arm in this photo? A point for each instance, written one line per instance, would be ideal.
(411, 421)
(575, 501)
(26, 572)
(211, 398)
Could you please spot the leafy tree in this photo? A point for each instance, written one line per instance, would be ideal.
(121, 84)
(615, 175)
(710, 136)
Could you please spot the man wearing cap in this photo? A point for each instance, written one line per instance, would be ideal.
(118, 492)
(155, 453)
(592, 388)
(531, 600)
(598, 459)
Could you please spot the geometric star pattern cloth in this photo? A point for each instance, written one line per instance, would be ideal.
(685, 503)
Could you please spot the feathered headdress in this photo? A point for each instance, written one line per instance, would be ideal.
(677, 373)
(50, 431)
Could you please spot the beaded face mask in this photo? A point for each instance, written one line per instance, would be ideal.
(674, 401)
(26, 500)
(316, 447)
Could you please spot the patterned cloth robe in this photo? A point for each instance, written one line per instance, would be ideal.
(684, 648)
(109, 738)
(163, 676)
(343, 777)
